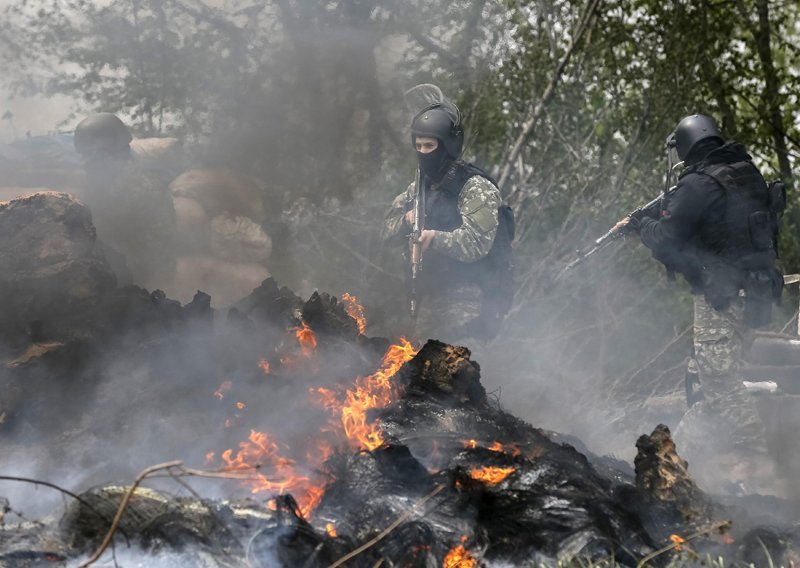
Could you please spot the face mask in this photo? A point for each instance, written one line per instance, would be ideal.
(434, 164)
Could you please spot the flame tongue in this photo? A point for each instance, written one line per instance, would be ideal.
(374, 391)
(491, 475)
(276, 474)
(307, 339)
(355, 311)
(460, 557)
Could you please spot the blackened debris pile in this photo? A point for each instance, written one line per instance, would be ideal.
(457, 474)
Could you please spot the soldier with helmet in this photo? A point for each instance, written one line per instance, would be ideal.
(131, 209)
(464, 279)
(719, 230)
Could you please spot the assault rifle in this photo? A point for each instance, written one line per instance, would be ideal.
(651, 209)
(413, 239)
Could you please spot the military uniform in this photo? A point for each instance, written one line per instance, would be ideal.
(131, 208)
(135, 217)
(717, 232)
(465, 218)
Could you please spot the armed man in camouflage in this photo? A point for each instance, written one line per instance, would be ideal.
(719, 229)
(131, 208)
(464, 281)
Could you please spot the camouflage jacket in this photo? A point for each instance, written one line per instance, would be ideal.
(478, 204)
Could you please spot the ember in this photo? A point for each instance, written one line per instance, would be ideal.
(460, 557)
(355, 311)
(264, 366)
(491, 475)
(677, 541)
(331, 530)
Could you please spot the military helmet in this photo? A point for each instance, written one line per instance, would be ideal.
(692, 130)
(104, 132)
(443, 122)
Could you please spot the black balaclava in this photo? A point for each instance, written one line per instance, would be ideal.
(701, 150)
(435, 164)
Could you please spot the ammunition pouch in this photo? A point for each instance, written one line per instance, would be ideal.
(761, 230)
(762, 288)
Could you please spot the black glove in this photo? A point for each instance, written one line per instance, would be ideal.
(635, 221)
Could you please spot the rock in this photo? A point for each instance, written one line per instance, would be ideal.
(221, 191)
(49, 266)
(238, 239)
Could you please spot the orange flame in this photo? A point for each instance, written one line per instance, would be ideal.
(677, 541)
(513, 449)
(471, 444)
(307, 339)
(331, 530)
(374, 391)
(355, 311)
(209, 457)
(491, 475)
(264, 365)
(263, 453)
(223, 388)
(240, 405)
(460, 557)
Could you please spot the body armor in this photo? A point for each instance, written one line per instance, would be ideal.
(735, 248)
(442, 272)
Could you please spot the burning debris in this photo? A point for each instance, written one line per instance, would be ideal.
(352, 450)
(402, 485)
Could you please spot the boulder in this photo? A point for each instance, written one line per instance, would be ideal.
(49, 265)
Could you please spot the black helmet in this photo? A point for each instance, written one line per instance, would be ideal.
(443, 122)
(102, 132)
(692, 130)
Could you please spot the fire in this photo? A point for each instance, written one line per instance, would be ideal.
(331, 530)
(275, 473)
(307, 339)
(223, 388)
(264, 366)
(209, 457)
(677, 541)
(471, 444)
(513, 449)
(355, 311)
(491, 475)
(240, 405)
(374, 391)
(263, 453)
(460, 557)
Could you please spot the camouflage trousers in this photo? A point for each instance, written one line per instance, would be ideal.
(724, 428)
(447, 316)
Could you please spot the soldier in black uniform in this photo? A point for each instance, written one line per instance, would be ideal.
(719, 230)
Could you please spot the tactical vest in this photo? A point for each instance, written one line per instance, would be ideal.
(492, 273)
(736, 247)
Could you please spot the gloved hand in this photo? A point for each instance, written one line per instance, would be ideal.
(635, 221)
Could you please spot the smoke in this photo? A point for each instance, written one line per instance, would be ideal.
(295, 162)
